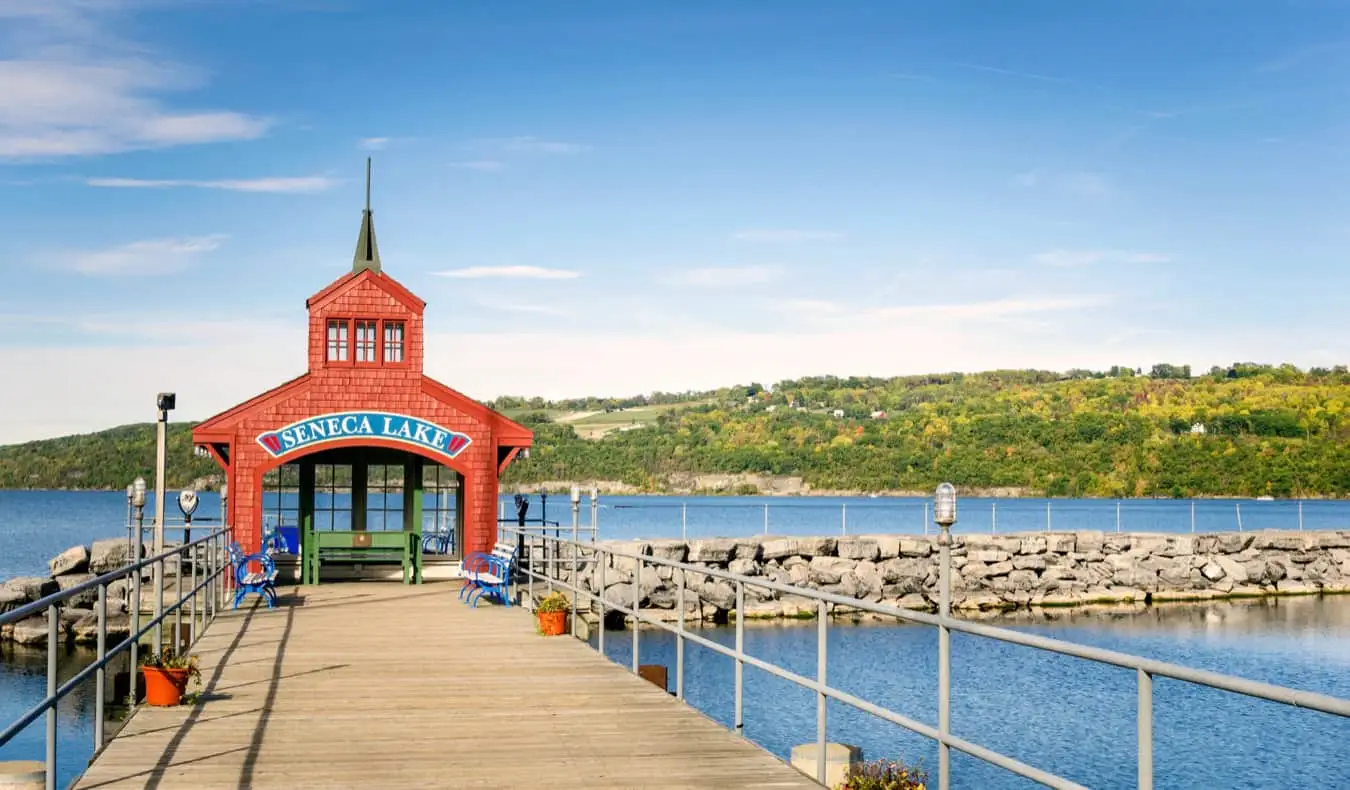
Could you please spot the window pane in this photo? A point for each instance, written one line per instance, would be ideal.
(337, 340)
(393, 341)
(365, 341)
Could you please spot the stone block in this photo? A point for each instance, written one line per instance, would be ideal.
(712, 550)
(1029, 562)
(914, 547)
(73, 560)
(857, 548)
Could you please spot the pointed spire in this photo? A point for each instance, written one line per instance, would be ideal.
(367, 251)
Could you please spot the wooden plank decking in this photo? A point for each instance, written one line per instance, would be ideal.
(380, 685)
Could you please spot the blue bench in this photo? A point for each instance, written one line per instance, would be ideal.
(489, 575)
(260, 582)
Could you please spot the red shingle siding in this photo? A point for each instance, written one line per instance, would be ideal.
(344, 387)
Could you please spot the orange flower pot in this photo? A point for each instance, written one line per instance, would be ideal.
(164, 687)
(553, 623)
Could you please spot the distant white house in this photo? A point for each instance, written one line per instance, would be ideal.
(878, 415)
(1198, 429)
(771, 407)
(839, 412)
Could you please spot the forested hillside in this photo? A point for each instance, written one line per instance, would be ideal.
(1248, 430)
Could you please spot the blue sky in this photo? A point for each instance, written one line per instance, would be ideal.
(612, 197)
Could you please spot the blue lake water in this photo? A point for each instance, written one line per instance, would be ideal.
(1057, 713)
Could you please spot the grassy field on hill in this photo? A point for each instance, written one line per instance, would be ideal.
(1246, 430)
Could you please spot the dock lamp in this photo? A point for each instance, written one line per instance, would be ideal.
(595, 511)
(944, 514)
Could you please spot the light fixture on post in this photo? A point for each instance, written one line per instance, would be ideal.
(164, 403)
(595, 511)
(944, 514)
(136, 492)
(131, 518)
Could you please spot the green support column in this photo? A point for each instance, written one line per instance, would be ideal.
(412, 508)
(360, 489)
(306, 520)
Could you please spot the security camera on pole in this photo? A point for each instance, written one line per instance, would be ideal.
(165, 402)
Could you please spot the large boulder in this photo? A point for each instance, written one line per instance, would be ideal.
(712, 550)
(854, 548)
(829, 570)
(31, 631)
(73, 560)
(85, 630)
(107, 555)
(82, 600)
(31, 587)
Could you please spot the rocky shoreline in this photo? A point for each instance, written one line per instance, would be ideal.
(79, 621)
(991, 573)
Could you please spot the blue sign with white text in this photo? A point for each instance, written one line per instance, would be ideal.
(324, 428)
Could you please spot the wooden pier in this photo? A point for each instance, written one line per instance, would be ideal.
(375, 684)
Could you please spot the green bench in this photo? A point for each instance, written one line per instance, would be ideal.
(365, 548)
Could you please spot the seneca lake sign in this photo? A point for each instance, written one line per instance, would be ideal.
(321, 429)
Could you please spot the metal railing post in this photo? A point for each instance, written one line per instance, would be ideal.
(178, 597)
(679, 640)
(944, 656)
(1145, 726)
(740, 660)
(637, 601)
(101, 677)
(822, 617)
(600, 561)
(53, 634)
(576, 576)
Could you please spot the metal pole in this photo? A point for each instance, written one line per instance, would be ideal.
(53, 626)
(576, 576)
(1192, 515)
(595, 513)
(1117, 515)
(740, 663)
(679, 640)
(1300, 515)
(822, 616)
(637, 601)
(925, 519)
(993, 517)
(601, 561)
(178, 596)
(684, 521)
(1047, 515)
(136, 607)
(843, 519)
(101, 674)
(161, 433)
(766, 518)
(1145, 730)
(944, 656)
(1239, 516)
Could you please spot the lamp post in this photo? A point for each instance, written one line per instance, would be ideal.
(944, 515)
(137, 490)
(576, 525)
(595, 512)
(131, 523)
(164, 402)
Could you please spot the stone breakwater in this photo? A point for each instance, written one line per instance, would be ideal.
(79, 621)
(990, 572)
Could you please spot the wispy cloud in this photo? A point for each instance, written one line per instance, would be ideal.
(1080, 183)
(532, 309)
(784, 235)
(479, 164)
(152, 256)
(1072, 258)
(982, 310)
(533, 145)
(1302, 55)
(372, 143)
(1026, 75)
(283, 185)
(724, 276)
(509, 272)
(72, 90)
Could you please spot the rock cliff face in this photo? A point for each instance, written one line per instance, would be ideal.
(990, 572)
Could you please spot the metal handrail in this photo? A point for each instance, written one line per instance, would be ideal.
(211, 589)
(1146, 669)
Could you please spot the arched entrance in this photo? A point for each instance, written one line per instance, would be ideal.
(361, 488)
